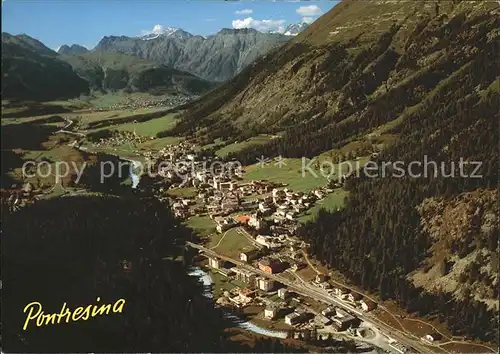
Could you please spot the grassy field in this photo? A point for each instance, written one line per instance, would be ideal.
(202, 225)
(290, 174)
(332, 202)
(158, 144)
(149, 128)
(301, 175)
(85, 118)
(232, 244)
(237, 146)
(188, 192)
(221, 284)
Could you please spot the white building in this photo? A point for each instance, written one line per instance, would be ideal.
(265, 284)
(214, 262)
(244, 275)
(367, 305)
(257, 222)
(250, 255)
(318, 194)
(328, 311)
(224, 224)
(267, 241)
(341, 292)
(432, 337)
(264, 208)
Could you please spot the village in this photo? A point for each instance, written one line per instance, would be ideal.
(257, 262)
(253, 250)
(249, 244)
(140, 102)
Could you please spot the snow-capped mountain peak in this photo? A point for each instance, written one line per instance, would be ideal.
(295, 28)
(160, 31)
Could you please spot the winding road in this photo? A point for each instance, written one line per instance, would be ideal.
(403, 337)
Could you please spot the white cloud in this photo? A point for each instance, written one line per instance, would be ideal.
(260, 25)
(309, 11)
(308, 20)
(157, 29)
(244, 12)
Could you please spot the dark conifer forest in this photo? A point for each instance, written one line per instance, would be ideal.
(73, 250)
(376, 239)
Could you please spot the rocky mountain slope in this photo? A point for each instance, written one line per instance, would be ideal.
(464, 257)
(354, 57)
(30, 70)
(215, 58)
(74, 49)
(295, 28)
(116, 71)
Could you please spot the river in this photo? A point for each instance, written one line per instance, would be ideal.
(133, 174)
(205, 278)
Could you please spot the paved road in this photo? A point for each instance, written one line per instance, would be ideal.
(315, 293)
(66, 131)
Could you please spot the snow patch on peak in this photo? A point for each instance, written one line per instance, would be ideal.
(295, 29)
(159, 30)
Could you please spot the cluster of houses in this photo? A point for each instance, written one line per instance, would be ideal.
(353, 298)
(340, 319)
(221, 191)
(269, 221)
(16, 198)
(131, 103)
(121, 137)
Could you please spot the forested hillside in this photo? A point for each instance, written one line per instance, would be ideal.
(377, 240)
(425, 74)
(115, 71)
(350, 73)
(74, 250)
(31, 71)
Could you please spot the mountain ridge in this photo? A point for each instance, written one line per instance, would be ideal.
(73, 49)
(28, 65)
(215, 58)
(32, 71)
(116, 71)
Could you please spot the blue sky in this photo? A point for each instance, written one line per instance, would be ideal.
(57, 22)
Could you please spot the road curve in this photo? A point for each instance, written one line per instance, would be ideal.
(316, 294)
